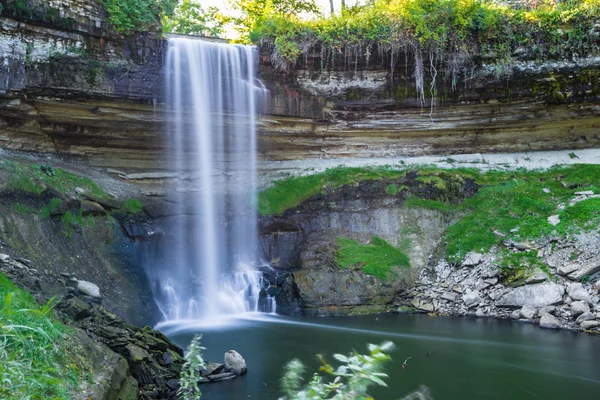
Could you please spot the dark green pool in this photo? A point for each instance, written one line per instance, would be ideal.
(456, 358)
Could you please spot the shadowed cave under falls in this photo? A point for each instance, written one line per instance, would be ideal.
(213, 97)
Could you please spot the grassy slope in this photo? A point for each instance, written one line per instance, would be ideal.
(34, 350)
(507, 200)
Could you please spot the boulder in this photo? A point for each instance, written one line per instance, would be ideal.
(554, 220)
(579, 307)
(91, 208)
(536, 295)
(472, 259)
(528, 312)
(568, 268)
(426, 307)
(213, 369)
(4, 257)
(549, 321)
(586, 270)
(586, 316)
(537, 277)
(234, 362)
(448, 296)
(88, 288)
(576, 291)
(472, 298)
(515, 314)
(590, 324)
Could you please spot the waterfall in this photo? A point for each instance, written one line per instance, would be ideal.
(212, 98)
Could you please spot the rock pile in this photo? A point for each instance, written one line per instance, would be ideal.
(566, 296)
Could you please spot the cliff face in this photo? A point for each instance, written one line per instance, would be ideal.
(361, 108)
(70, 84)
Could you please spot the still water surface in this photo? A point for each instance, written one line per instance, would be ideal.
(457, 358)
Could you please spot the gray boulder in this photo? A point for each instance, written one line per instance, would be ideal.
(89, 289)
(549, 321)
(472, 259)
(528, 312)
(585, 270)
(234, 362)
(448, 296)
(579, 307)
(589, 324)
(537, 295)
(537, 277)
(471, 298)
(576, 291)
(587, 316)
(567, 269)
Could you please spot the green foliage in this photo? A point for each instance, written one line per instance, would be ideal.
(190, 373)
(128, 16)
(448, 37)
(516, 267)
(53, 205)
(376, 258)
(416, 202)
(190, 18)
(33, 178)
(350, 380)
(289, 193)
(392, 189)
(517, 199)
(34, 347)
(254, 13)
(133, 206)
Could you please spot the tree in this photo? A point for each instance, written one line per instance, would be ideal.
(190, 18)
(253, 10)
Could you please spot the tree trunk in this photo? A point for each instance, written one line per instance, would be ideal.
(331, 5)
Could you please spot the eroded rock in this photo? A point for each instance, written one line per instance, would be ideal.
(537, 295)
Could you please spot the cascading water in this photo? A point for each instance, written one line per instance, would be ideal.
(213, 97)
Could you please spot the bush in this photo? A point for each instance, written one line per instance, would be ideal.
(128, 16)
(351, 380)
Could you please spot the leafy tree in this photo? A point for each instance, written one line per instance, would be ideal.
(252, 11)
(191, 18)
(128, 16)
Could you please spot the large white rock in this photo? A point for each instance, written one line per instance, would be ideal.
(576, 291)
(88, 288)
(588, 269)
(472, 259)
(528, 312)
(537, 295)
(590, 324)
(579, 307)
(234, 362)
(549, 321)
(472, 298)
(4, 257)
(568, 268)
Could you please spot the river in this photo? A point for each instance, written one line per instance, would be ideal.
(457, 358)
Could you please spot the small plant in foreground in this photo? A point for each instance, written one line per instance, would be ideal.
(190, 373)
(351, 380)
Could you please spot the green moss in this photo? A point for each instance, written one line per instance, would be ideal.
(415, 202)
(53, 205)
(23, 209)
(517, 267)
(391, 189)
(289, 193)
(36, 361)
(376, 258)
(133, 206)
(32, 178)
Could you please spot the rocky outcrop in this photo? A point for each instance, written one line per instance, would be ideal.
(301, 244)
(547, 298)
(129, 362)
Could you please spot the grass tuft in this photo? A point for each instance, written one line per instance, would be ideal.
(376, 258)
(34, 360)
